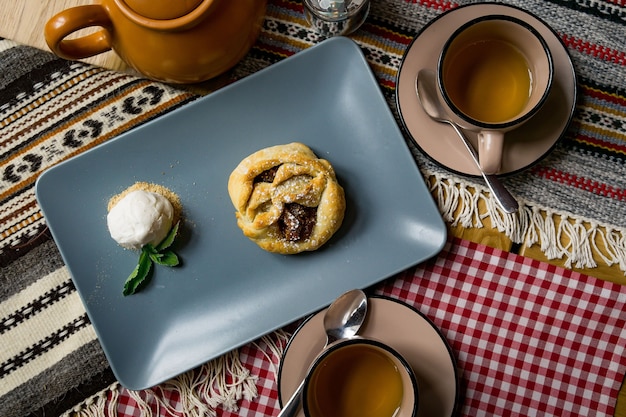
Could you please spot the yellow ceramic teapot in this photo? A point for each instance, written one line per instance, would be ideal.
(178, 41)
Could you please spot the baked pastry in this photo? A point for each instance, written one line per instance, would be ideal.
(287, 199)
(142, 214)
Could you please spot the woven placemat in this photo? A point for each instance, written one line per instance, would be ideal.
(52, 109)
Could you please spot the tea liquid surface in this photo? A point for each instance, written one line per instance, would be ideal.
(489, 81)
(358, 381)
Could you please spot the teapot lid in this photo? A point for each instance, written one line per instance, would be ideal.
(162, 9)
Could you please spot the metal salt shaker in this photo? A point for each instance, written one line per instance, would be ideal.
(336, 17)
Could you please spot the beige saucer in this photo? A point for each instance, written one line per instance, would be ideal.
(524, 146)
(401, 327)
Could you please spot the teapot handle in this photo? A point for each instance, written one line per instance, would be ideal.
(73, 19)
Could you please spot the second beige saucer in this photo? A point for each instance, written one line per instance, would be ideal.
(401, 327)
(524, 146)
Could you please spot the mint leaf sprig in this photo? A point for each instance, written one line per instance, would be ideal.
(150, 254)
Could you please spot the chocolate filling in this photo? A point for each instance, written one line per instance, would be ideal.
(297, 221)
(267, 175)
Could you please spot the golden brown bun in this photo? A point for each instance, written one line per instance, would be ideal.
(275, 185)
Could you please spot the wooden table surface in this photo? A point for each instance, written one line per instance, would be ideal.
(23, 21)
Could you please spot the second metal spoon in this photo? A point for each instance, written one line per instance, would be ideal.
(342, 320)
(425, 85)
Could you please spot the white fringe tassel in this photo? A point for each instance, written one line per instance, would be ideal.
(532, 224)
(222, 382)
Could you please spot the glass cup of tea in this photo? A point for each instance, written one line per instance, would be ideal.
(360, 377)
(493, 74)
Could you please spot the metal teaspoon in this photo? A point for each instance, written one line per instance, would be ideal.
(425, 84)
(342, 320)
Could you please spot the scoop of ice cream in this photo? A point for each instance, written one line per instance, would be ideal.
(141, 217)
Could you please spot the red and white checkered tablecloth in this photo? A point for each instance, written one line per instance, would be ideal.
(530, 339)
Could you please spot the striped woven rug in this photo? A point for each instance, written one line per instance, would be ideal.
(574, 201)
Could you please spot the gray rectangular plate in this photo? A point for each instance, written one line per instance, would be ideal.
(228, 291)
